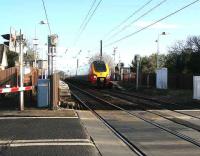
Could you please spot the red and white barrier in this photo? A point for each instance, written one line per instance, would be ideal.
(15, 89)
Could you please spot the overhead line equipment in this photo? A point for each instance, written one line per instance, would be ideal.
(161, 19)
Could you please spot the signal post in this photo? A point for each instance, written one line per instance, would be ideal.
(54, 79)
(11, 43)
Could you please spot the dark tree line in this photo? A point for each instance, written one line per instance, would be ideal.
(183, 57)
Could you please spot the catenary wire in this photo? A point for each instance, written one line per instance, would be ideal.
(46, 16)
(146, 13)
(86, 17)
(89, 19)
(125, 20)
(84, 20)
(161, 19)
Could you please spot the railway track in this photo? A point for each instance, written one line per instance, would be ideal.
(145, 105)
(169, 105)
(139, 116)
(132, 147)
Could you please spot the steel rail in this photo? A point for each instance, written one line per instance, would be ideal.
(161, 114)
(158, 102)
(133, 147)
(175, 133)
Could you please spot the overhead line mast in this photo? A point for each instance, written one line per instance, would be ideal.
(161, 19)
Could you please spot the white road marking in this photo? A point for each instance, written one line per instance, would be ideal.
(50, 144)
(189, 110)
(35, 117)
(46, 142)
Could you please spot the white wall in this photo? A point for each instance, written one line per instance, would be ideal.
(196, 87)
(161, 78)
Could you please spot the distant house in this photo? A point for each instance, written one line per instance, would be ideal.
(3, 57)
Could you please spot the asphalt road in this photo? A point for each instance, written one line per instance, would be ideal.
(49, 151)
(44, 136)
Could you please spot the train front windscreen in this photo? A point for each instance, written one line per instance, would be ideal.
(99, 66)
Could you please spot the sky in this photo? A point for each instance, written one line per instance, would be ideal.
(66, 16)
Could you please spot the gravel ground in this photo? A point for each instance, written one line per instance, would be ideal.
(169, 95)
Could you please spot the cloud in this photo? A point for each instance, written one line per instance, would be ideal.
(159, 25)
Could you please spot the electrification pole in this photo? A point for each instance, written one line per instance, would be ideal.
(114, 51)
(137, 59)
(101, 50)
(76, 67)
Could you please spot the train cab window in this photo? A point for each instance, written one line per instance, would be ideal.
(99, 66)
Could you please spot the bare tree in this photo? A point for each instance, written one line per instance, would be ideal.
(106, 58)
(184, 56)
(178, 47)
(193, 43)
(29, 55)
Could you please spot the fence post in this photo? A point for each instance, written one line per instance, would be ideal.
(54, 89)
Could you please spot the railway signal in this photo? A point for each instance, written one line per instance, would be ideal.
(10, 41)
(52, 43)
(6, 37)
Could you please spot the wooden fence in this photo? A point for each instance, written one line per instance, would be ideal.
(10, 77)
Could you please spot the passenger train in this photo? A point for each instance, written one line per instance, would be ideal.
(97, 74)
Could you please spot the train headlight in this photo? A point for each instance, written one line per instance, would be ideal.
(108, 77)
(94, 77)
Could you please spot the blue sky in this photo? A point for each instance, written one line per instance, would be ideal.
(66, 16)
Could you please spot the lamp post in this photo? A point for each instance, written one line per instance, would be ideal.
(114, 52)
(158, 48)
(36, 42)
